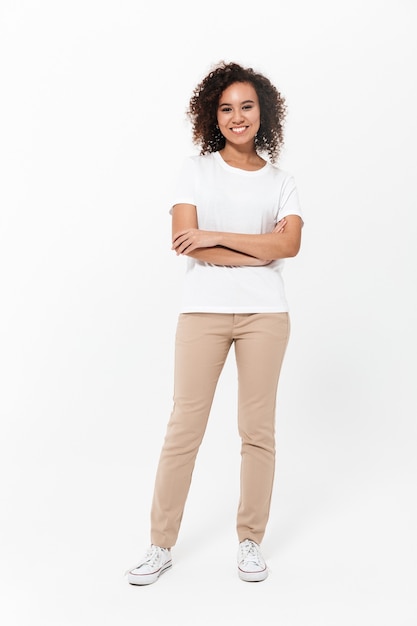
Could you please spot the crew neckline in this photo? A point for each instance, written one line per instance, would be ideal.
(239, 170)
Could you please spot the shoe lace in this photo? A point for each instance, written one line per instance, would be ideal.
(151, 557)
(249, 552)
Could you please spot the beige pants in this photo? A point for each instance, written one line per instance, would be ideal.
(203, 341)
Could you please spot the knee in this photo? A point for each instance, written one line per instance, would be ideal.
(257, 437)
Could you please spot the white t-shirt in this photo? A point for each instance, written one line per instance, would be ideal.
(229, 199)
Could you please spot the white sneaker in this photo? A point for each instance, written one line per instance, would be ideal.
(251, 565)
(155, 562)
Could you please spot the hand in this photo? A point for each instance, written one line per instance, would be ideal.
(188, 240)
(260, 262)
(280, 226)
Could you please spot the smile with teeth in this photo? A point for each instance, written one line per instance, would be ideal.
(238, 129)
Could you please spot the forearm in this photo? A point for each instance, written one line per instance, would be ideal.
(266, 246)
(283, 242)
(219, 255)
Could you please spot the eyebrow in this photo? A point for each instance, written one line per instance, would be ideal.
(221, 104)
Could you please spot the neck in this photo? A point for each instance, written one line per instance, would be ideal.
(244, 157)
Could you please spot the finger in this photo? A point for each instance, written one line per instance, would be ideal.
(181, 233)
(279, 227)
(179, 240)
(185, 247)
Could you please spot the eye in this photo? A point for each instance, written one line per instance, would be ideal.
(225, 109)
(246, 107)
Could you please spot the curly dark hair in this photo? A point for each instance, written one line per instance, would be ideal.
(202, 111)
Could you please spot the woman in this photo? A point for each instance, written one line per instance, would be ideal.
(235, 216)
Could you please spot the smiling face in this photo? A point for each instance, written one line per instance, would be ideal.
(239, 114)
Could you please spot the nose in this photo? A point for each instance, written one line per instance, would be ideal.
(237, 117)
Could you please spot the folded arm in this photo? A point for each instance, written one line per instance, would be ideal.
(184, 219)
(233, 248)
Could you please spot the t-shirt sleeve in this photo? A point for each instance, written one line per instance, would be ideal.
(289, 203)
(185, 184)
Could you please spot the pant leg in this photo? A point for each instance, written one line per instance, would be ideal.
(202, 343)
(260, 344)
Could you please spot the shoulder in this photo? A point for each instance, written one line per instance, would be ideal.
(280, 174)
(280, 179)
(199, 165)
(203, 160)
(198, 161)
(195, 169)
(200, 158)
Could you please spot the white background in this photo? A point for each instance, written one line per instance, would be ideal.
(93, 129)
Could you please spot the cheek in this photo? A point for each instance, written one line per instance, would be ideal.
(256, 117)
(223, 119)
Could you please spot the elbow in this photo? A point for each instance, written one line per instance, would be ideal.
(293, 251)
(288, 251)
(287, 245)
(292, 247)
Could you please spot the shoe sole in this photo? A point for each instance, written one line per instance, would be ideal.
(147, 579)
(253, 577)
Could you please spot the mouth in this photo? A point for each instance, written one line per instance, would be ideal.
(238, 130)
